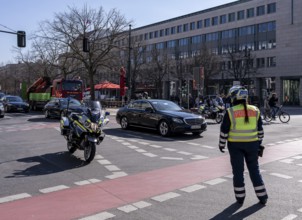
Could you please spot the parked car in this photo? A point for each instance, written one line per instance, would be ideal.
(2, 112)
(56, 107)
(1, 95)
(165, 116)
(14, 104)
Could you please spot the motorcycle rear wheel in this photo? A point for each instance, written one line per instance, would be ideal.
(89, 152)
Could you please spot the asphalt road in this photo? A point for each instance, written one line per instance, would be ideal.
(139, 175)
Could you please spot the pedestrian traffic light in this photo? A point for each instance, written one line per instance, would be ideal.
(21, 38)
(86, 47)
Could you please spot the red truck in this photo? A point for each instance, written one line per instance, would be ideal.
(43, 89)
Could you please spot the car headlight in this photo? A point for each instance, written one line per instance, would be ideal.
(177, 120)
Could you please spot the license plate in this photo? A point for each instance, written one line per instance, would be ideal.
(195, 126)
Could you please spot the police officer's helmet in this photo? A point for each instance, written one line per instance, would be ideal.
(238, 93)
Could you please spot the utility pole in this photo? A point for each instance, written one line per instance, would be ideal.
(129, 81)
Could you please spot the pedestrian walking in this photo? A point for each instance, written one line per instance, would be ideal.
(242, 130)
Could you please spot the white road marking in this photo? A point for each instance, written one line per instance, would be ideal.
(82, 183)
(116, 175)
(143, 143)
(280, 142)
(169, 149)
(120, 140)
(14, 197)
(127, 208)
(229, 176)
(57, 128)
(215, 181)
(299, 164)
(206, 146)
(104, 162)
(141, 204)
(112, 168)
(287, 161)
(141, 150)
(132, 147)
(126, 143)
(150, 155)
(94, 180)
(155, 146)
(184, 153)
(290, 217)
(99, 216)
(98, 156)
(192, 188)
(299, 210)
(198, 157)
(270, 144)
(165, 197)
(53, 189)
(171, 158)
(281, 175)
(297, 157)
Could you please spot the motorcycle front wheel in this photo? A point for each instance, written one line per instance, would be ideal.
(89, 152)
(71, 148)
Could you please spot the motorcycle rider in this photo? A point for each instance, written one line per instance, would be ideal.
(242, 130)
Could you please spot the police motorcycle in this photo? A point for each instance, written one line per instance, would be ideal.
(212, 111)
(83, 131)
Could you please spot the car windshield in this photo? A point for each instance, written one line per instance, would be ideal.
(166, 106)
(72, 102)
(14, 99)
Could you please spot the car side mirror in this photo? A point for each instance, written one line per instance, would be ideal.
(149, 110)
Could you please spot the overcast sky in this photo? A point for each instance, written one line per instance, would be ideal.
(26, 14)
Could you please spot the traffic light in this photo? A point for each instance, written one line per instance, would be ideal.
(86, 47)
(21, 38)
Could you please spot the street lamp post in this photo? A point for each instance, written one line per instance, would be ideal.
(129, 81)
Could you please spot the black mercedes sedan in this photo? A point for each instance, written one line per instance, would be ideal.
(14, 104)
(56, 107)
(162, 115)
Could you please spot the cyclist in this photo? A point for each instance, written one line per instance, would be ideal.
(273, 104)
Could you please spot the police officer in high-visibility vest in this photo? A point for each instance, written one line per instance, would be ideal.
(242, 130)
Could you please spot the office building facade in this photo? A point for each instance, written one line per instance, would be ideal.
(268, 29)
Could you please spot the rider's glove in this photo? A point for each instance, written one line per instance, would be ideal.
(221, 149)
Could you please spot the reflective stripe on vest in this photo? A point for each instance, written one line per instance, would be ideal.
(241, 131)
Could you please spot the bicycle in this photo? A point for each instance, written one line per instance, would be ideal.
(284, 117)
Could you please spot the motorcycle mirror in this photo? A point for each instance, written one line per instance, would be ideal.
(107, 113)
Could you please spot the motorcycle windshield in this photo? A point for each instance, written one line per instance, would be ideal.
(94, 109)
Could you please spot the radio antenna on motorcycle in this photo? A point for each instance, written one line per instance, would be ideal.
(68, 99)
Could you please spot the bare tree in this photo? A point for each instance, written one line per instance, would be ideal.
(240, 65)
(102, 30)
(210, 63)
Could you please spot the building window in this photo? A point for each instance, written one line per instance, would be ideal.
(183, 42)
(150, 35)
(179, 28)
(231, 17)
(211, 36)
(271, 61)
(149, 47)
(271, 8)
(248, 30)
(167, 31)
(171, 44)
(271, 44)
(161, 33)
(260, 62)
(207, 22)
(199, 24)
(228, 34)
(240, 15)
(250, 13)
(260, 10)
(196, 39)
(192, 26)
(214, 21)
(223, 19)
(262, 45)
(146, 36)
(160, 46)
(185, 27)
(155, 34)
(172, 30)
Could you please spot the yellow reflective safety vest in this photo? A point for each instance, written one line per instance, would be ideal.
(241, 131)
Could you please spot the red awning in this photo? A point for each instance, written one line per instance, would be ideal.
(105, 85)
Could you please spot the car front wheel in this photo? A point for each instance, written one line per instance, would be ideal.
(164, 129)
(124, 123)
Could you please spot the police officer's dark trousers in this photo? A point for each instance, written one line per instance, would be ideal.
(248, 152)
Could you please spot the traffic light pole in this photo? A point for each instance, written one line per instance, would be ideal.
(128, 73)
